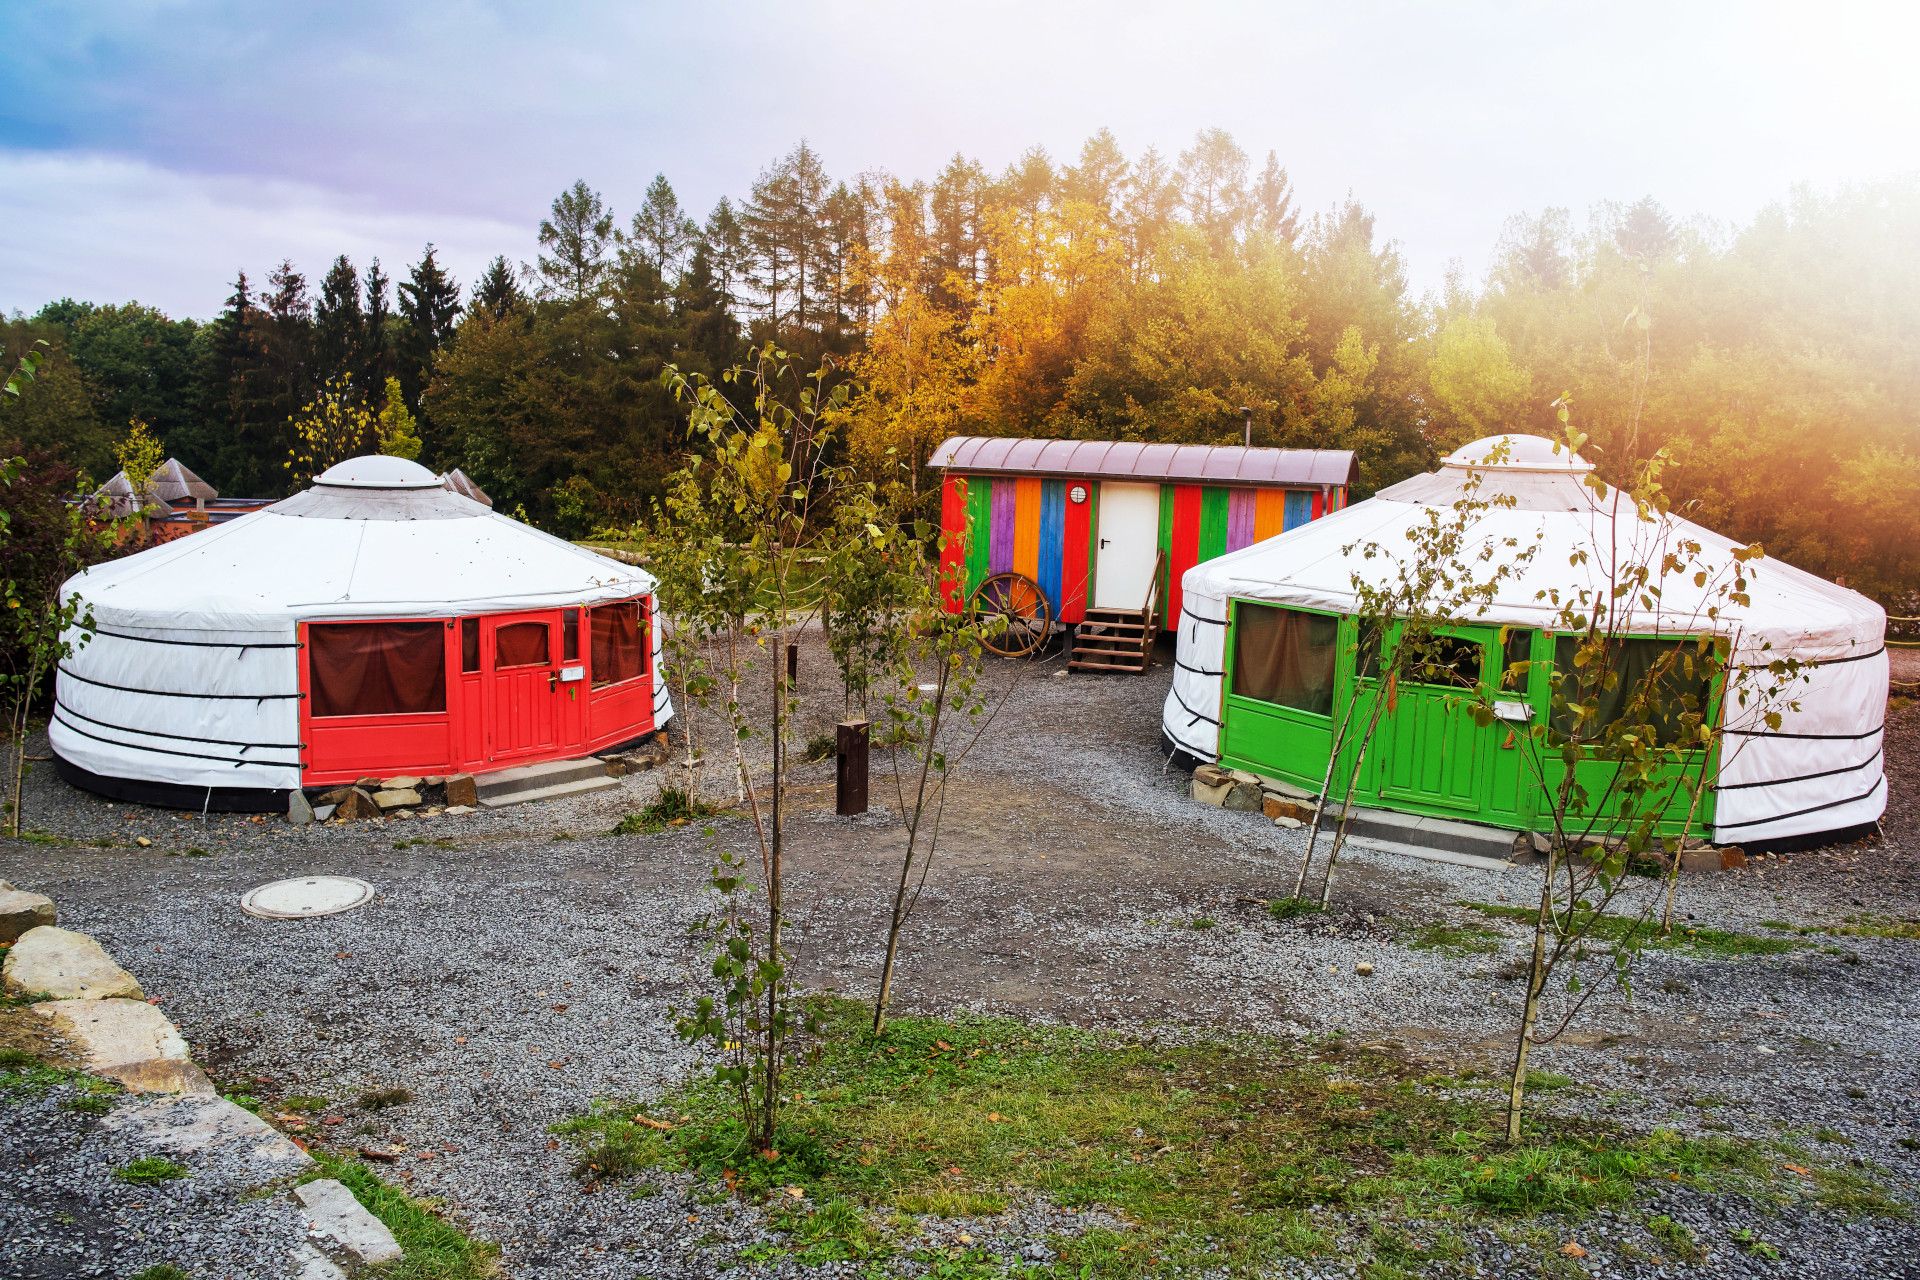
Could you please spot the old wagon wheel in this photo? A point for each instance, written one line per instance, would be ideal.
(1027, 614)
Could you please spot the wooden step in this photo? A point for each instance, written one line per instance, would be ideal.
(1106, 647)
(1077, 664)
(1108, 651)
(1131, 628)
(1116, 615)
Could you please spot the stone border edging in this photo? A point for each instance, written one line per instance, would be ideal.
(98, 1009)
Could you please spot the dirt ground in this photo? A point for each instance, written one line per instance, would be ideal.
(518, 965)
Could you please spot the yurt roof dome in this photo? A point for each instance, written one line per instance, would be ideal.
(1518, 453)
(368, 540)
(377, 471)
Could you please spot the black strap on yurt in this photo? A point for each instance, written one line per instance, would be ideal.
(1805, 777)
(170, 693)
(1197, 717)
(235, 761)
(181, 737)
(1798, 813)
(1822, 662)
(1199, 671)
(198, 644)
(1807, 737)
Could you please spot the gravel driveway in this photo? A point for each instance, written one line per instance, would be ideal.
(518, 964)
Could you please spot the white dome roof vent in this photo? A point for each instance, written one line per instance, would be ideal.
(1519, 453)
(377, 471)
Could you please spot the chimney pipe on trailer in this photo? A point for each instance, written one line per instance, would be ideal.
(1246, 415)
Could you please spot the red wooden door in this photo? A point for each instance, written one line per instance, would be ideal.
(521, 690)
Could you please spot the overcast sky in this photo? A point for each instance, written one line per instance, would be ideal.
(151, 150)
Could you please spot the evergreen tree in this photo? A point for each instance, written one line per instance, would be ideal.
(496, 292)
(376, 342)
(429, 309)
(1152, 198)
(338, 323)
(1644, 233)
(785, 232)
(725, 240)
(956, 240)
(1273, 211)
(576, 239)
(1213, 184)
(662, 229)
(286, 381)
(1100, 176)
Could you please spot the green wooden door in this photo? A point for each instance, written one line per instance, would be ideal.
(1428, 753)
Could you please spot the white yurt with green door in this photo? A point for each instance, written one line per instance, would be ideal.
(1267, 642)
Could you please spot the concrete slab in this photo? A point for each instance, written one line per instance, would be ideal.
(341, 1228)
(113, 1033)
(49, 960)
(197, 1128)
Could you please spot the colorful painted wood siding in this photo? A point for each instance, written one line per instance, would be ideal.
(1029, 525)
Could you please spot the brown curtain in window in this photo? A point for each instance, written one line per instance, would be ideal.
(520, 644)
(1654, 670)
(377, 668)
(1285, 657)
(617, 653)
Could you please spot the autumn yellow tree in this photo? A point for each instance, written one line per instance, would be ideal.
(333, 426)
(395, 427)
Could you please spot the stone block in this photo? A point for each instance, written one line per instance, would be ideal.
(1241, 775)
(325, 812)
(159, 1075)
(1733, 859)
(396, 798)
(21, 911)
(1213, 793)
(1244, 797)
(65, 965)
(299, 811)
(1692, 860)
(198, 1129)
(107, 1034)
(1279, 806)
(458, 810)
(357, 803)
(335, 796)
(462, 790)
(341, 1228)
(406, 782)
(1211, 775)
(617, 767)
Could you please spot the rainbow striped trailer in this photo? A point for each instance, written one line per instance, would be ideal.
(1094, 535)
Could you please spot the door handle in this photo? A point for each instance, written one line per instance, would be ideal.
(1104, 542)
(553, 680)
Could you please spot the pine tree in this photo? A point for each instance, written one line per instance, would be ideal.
(1152, 197)
(957, 237)
(338, 324)
(496, 292)
(662, 229)
(429, 309)
(376, 340)
(288, 380)
(577, 238)
(1645, 233)
(1213, 182)
(784, 229)
(1273, 211)
(726, 244)
(1099, 178)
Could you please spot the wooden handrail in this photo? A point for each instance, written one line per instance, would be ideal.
(1153, 590)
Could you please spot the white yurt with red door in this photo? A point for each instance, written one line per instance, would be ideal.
(376, 624)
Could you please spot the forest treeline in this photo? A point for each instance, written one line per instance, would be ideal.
(1107, 297)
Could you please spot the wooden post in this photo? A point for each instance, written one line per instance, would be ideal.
(850, 767)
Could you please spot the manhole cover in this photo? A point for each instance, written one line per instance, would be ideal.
(306, 896)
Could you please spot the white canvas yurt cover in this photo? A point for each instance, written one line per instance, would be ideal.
(194, 675)
(1820, 771)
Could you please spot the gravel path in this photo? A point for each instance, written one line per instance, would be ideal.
(519, 964)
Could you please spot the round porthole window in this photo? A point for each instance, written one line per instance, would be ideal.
(1077, 494)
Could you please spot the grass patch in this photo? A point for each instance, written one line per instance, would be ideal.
(305, 1104)
(165, 1271)
(1693, 939)
(150, 1171)
(673, 807)
(381, 1099)
(1676, 1237)
(1214, 1150)
(435, 1248)
(1452, 939)
(822, 746)
(424, 842)
(1861, 926)
(1288, 908)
